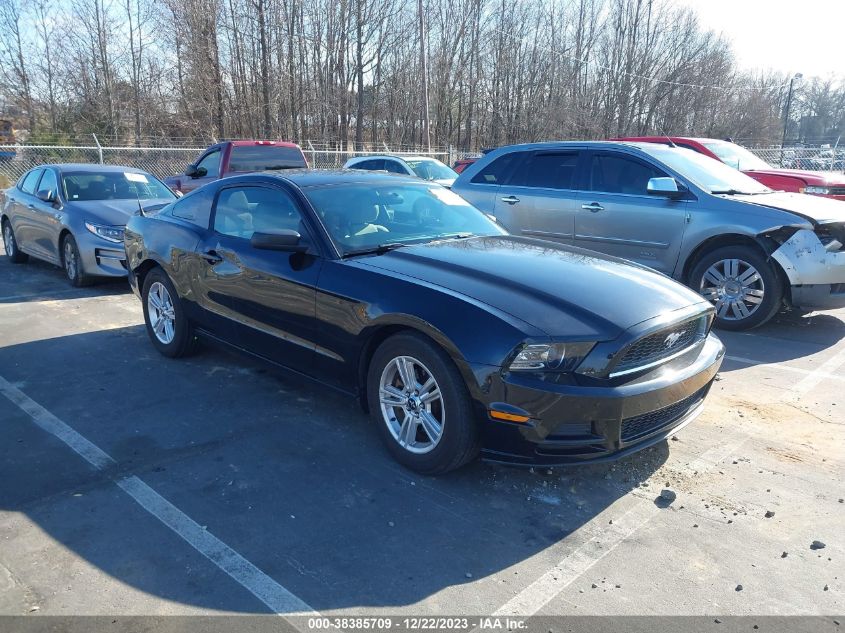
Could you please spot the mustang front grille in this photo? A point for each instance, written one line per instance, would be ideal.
(658, 347)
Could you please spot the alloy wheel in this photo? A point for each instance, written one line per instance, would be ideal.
(8, 240)
(734, 287)
(161, 313)
(71, 264)
(412, 404)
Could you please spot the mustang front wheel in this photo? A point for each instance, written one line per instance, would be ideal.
(420, 403)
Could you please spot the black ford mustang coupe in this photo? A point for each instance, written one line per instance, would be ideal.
(456, 336)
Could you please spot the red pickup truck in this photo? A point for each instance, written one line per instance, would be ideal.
(820, 183)
(237, 157)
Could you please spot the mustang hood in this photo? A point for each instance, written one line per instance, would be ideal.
(562, 291)
(814, 208)
(113, 212)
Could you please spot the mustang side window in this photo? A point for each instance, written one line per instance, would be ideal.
(242, 211)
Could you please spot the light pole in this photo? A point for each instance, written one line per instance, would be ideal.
(797, 77)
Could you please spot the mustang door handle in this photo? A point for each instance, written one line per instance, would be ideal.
(212, 257)
(593, 206)
(510, 199)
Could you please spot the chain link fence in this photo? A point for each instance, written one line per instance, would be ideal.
(15, 160)
(811, 158)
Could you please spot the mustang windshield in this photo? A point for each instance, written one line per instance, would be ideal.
(366, 218)
(709, 174)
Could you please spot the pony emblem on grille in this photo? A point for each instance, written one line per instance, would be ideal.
(670, 340)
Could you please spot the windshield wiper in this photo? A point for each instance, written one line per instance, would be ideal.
(375, 250)
(737, 192)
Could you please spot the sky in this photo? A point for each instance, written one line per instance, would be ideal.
(791, 37)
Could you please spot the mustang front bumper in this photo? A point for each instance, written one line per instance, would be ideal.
(572, 423)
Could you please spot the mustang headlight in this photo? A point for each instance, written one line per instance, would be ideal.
(550, 356)
(816, 191)
(110, 233)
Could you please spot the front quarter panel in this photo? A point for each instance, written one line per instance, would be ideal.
(167, 243)
(356, 303)
(714, 217)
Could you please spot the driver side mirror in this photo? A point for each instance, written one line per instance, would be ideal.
(285, 240)
(667, 187)
(46, 195)
(193, 171)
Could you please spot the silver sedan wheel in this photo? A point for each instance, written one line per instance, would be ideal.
(71, 264)
(735, 287)
(161, 313)
(8, 239)
(411, 404)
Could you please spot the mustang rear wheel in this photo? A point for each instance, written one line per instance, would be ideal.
(420, 404)
(168, 328)
(11, 245)
(743, 287)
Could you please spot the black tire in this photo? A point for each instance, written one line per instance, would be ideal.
(459, 441)
(10, 244)
(183, 340)
(769, 282)
(72, 263)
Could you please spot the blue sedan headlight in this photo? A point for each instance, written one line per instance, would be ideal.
(110, 233)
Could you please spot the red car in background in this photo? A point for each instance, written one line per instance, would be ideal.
(463, 163)
(820, 183)
(237, 157)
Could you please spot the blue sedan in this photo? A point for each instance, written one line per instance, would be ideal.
(73, 216)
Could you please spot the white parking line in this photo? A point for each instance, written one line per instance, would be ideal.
(782, 367)
(606, 538)
(35, 295)
(278, 599)
(805, 385)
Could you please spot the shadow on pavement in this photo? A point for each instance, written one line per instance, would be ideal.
(290, 475)
(788, 336)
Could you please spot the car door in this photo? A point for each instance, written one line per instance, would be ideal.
(543, 189)
(208, 170)
(23, 216)
(617, 216)
(46, 222)
(487, 191)
(268, 296)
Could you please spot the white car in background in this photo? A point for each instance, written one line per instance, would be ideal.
(423, 167)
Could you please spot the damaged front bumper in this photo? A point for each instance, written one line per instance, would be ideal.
(816, 271)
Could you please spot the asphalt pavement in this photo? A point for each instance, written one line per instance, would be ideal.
(131, 484)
